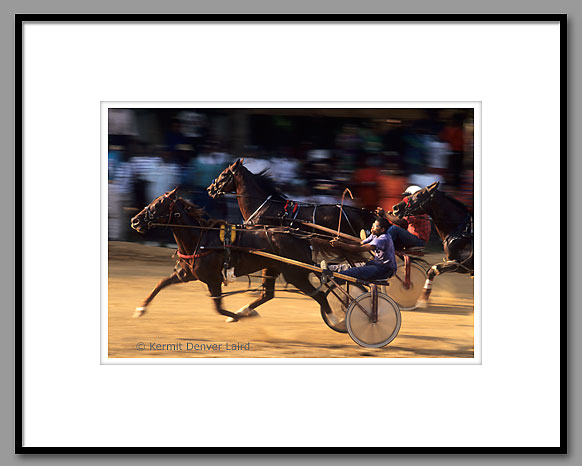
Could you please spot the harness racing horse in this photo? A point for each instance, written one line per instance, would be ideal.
(454, 225)
(205, 251)
(260, 201)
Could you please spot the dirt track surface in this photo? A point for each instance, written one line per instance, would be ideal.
(290, 325)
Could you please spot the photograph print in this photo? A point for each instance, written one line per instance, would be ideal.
(293, 233)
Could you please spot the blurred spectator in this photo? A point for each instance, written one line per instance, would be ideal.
(114, 156)
(325, 191)
(393, 142)
(120, 198)
(282, 132)
(392, 184)
(425, 157)
(202, 171)
(366, 182)
(303, 150)
(317, 160)
(453, 135)
(286, 171)
(436, 157)
(174, 137)
(161, 174)
(423, 179)
(167, 174)
(122, 127)
(113, 208)
(255, 164)
(347, 146)
(182, 157)
(371, 141)
(312, 158)
(465, 192)
(145, 167)
(414, 150)
(180, 151)
(194, 128)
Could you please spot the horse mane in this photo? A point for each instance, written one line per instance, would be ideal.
(193, 210)
(455, 201)
(197, 213)
(267, 184)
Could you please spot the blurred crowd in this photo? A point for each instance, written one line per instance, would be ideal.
(377, 162)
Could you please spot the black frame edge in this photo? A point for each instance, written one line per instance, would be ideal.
(563, 234)
(19, 336)
(312, 17)
(324, 17)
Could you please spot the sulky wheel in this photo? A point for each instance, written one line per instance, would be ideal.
(406, 297)
(373, 334)
(339, 302)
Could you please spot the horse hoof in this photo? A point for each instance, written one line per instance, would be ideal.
(243, 312)
(139, 311)
(333, 319)
(247, 312)
(421, 304)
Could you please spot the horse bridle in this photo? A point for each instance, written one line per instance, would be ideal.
(422, 206)
(182, 257)
(231, 173)
(151, 215)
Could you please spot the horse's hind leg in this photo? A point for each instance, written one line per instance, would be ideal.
(435, 270)
(300, 279)
(268, 293)
(172, 279)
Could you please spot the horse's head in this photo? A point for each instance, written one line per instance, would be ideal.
(225, 182)
(160, 210)
(417, 203)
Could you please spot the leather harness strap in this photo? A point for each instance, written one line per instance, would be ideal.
(250, 219)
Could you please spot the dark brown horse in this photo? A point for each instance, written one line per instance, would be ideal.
(454, 225)
(202, 254)
(261, 202)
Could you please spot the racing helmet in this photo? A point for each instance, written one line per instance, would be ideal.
(411, 190)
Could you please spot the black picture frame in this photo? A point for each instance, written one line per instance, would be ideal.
(20, 19)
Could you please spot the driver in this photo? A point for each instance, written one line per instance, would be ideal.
(408, 232)
(382, 266)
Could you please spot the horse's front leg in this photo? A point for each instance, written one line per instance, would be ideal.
(176, 277)
(268, 293)
(437, 269)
